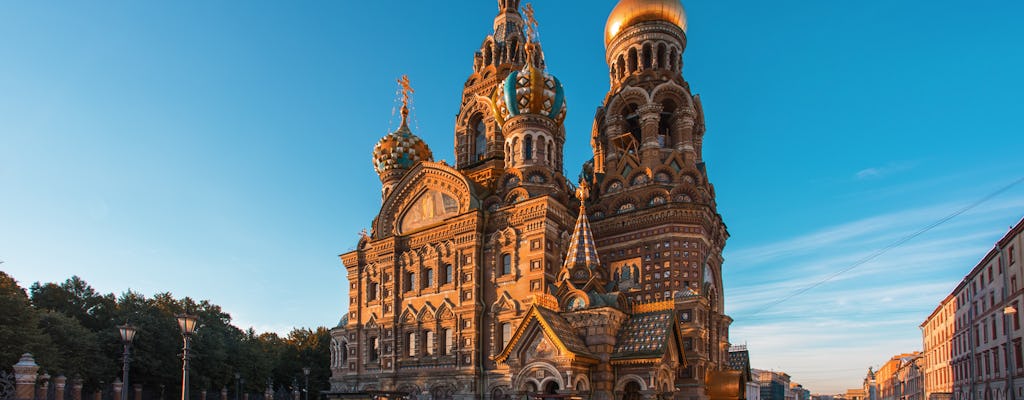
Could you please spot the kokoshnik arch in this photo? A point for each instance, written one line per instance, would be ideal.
(497, 277)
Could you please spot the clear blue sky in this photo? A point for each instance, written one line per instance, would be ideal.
(221, 150)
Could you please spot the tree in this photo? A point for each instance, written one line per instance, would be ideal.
(19, 325)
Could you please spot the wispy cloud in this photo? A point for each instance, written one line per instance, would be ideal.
(884, 170)
(826, 338)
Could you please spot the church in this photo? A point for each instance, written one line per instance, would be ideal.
(499, 278)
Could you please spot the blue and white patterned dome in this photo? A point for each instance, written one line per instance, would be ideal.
(530, 90)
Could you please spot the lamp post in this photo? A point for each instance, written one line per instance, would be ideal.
(305, 371)
(238, 385)
(127, 336)
(187, 323)
(1009, 312)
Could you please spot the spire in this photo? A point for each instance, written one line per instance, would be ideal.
(582, 252)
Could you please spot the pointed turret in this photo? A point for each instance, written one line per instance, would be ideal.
(581, 261)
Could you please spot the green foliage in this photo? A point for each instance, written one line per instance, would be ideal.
(72, 330)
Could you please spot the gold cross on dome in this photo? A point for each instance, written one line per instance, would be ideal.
(531, 21)
(406, 89)
(583, 191)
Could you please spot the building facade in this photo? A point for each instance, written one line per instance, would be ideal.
(774, 385)
(937, 340)
(498, 278)
(987, 360)
(900, 378)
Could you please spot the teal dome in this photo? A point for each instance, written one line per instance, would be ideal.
(530, 91)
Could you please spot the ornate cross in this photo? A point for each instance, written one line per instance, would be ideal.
(406, 90)
(531, 22)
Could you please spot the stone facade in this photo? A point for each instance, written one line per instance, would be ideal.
(937, 337)
(987, 360)
(498, 277)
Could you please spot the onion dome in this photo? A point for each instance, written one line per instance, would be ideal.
(400, 149)
(530, 90)
(630, 12)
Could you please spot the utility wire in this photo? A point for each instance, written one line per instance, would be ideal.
(891, 246)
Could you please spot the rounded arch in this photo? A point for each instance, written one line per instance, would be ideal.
(625, 204)
(613, 186)
(424, 177)
(620, 385)
(528, 373)
(658, 197)
(664, 174)
(630, 95)
(581, 383)
(672, 91)
(516, 195)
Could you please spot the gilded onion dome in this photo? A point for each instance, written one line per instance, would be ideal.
(400, 149)
(530, 90)
(630, 12)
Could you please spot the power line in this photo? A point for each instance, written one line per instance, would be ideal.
(891, 246)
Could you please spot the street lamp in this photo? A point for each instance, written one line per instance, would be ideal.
(187, 323)
(238, 385)
(1009, 312)
(127, 336)
(305, 371)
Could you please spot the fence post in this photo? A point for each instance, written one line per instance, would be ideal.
(224, 393)
(76, 389)
(25, 374)
(59, 383)
(138, 391)
(43, 390)
(118, 386)
(202, 394)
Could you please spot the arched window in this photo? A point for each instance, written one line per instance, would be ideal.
(506, 264)
(371, 291)
(647, 56)
(632, 60)
(429, 336)
(632, 116)
(411, 338)
(344, 353)
(446, 341)
(506, 334)
(528, 148)
(374, 348)
(410, 278)
(446, 278)
(428, 278)
(479, 139)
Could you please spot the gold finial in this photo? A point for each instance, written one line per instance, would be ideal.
(583, 192)
(531, 22)
(406, 94)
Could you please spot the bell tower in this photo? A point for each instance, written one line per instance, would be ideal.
(650, 178)
(530, 107)
(479, 140)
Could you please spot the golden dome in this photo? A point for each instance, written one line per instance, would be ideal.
(630, 12)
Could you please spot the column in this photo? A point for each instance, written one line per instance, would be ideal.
(76, 389)
(650, 118)
(59, 383)
(25, 374)
(118, 386)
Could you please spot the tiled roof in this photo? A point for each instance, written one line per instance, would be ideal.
(582, 250)
(565, 332)
(644, 335)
